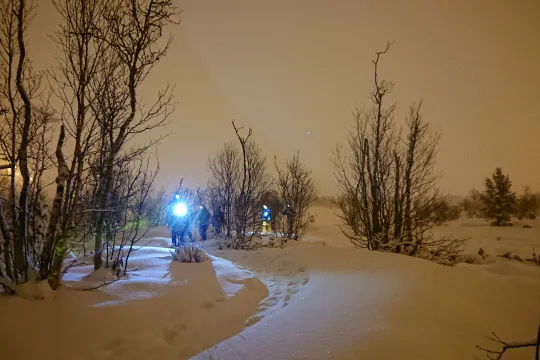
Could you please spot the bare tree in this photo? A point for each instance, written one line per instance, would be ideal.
(254, 184)
(298, 192)
(386, 182)
(77, 67)
(133, 33)
(107, 50)
(19, 87)
(225, 168)
(364, 172)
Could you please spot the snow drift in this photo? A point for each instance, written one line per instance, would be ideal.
(164, 309)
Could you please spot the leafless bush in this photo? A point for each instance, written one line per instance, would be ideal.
(444, 212)
(298, 192)
(223, 187)
(386, 182)
(238, 187)
(138, 216)
(473, 205)
(253, 185)
(189, 254)
(528, 205)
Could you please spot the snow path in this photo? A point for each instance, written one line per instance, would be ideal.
(363, 305)
(163, 310)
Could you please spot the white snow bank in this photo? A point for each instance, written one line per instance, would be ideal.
(39, 290)
(163, 310)
(365, 305)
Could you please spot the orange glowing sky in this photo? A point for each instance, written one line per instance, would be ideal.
(289, 67)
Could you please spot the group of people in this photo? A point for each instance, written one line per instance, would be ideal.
(182, 225)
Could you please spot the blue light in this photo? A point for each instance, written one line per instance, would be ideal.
(180, 209)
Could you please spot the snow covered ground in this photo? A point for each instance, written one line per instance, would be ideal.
(317, 299)
(163, 310)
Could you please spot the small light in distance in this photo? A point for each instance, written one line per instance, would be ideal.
(180, 209)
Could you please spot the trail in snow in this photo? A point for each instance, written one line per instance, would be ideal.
(365, 305)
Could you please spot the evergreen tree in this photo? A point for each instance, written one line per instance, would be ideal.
(498, 198)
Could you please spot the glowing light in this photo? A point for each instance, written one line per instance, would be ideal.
(264, 206)
(200, 207)
(180, 209)
(177, 196)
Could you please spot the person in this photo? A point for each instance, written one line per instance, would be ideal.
(266, 220)
(203, 217)
(218, 219)
(289, 214)
(172, 220)
(180, 224)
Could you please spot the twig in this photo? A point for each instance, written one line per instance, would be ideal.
(8, 286)
(72, 264)
(498, 354)
(102, 285)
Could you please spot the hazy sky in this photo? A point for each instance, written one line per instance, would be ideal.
(289, 67)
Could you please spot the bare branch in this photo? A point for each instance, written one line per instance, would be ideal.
(506, 345)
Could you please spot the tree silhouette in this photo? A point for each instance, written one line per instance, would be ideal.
(499, 200)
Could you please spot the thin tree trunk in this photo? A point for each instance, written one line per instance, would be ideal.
(21, 234)
(50, 240)
(102, 205)
(60, 247)
(397, 204)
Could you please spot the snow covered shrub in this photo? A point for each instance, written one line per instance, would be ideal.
(189, 254)
(528, 205)
(473, 204)
(508, 255)
(534, 259)
(444, 212)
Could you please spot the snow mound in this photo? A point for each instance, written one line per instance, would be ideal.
(102, 274)
(189, 254)
(39, 290)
